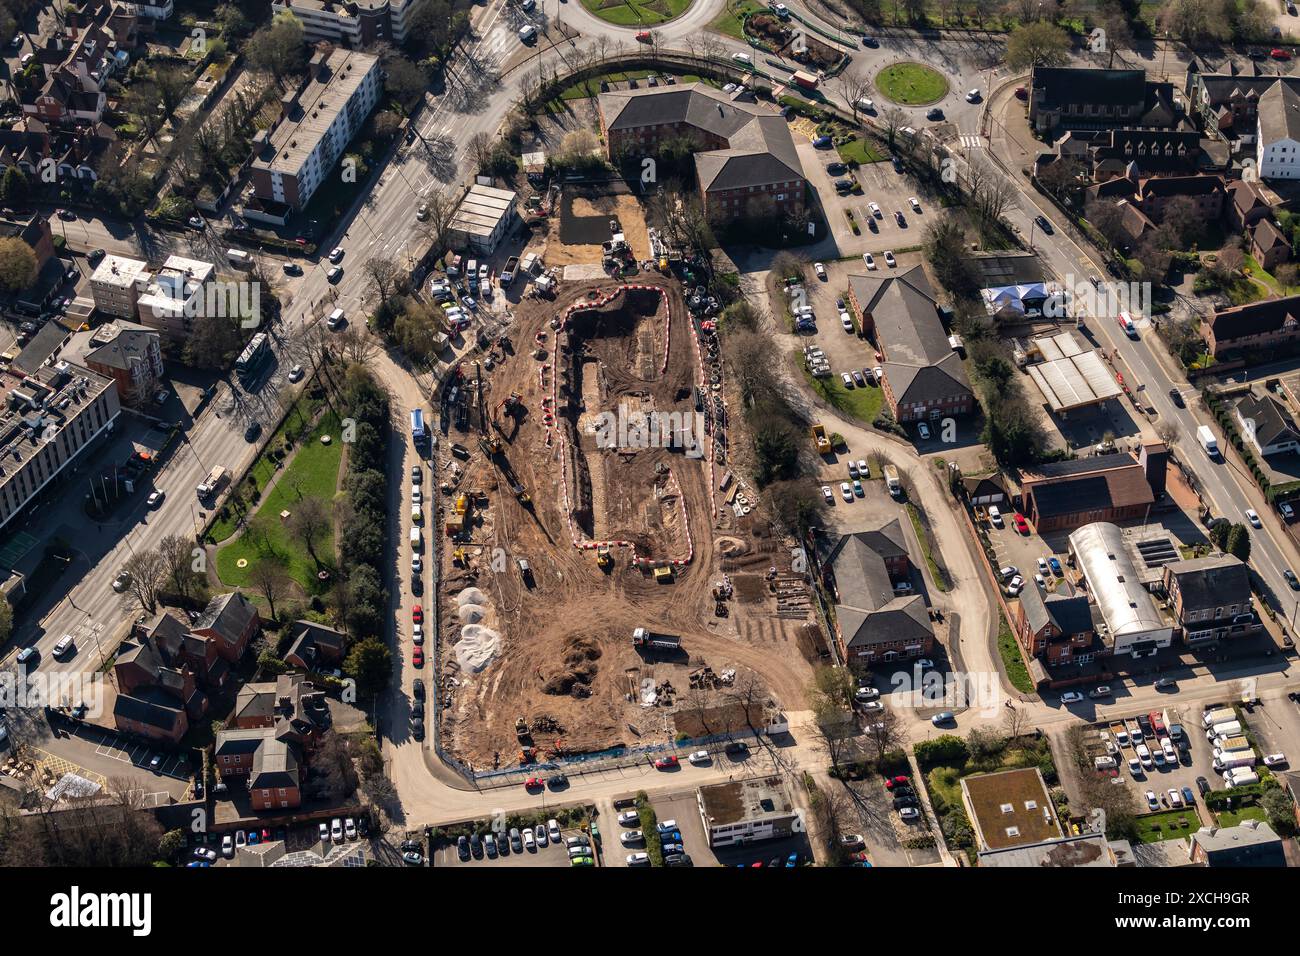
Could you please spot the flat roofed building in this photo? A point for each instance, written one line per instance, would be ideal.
(354, 23)
(1072, 374)
(47, 419)
(485, 215)
(177, 294)
(1010, 809)
(746, 811)
(316, 123)
(1070, 852)
(116, 285)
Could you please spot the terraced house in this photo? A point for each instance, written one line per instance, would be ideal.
(745, 164)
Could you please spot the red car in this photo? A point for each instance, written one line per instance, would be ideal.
(1280, 54)
(665, 763)
(534, 783)
(859, 857)
(643, 36)
(417, 657)
(1021, 524)
(1022, 93)
(899, 781)
(417, 614)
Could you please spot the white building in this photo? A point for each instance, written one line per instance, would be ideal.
(1130, 621)
(352, 24)
(747, 810)
(172, 299)
(116, 284)
(483, 218)
(1277, 150)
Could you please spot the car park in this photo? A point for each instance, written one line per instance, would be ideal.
(890, 260)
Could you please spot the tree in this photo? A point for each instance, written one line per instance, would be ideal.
(885, 733)
(171, 844)
(234, 23)
(178, 555)
(406, 81)
(308, 522)
(148, 570)
(1037, 44)
(214, 342)
(1191, 21)
(1219, 533)
(415, 329)
(384, 276)
(370, 665)
(6, 619)
(944, 244)
(1239, 543)
(480, 149)
(172, 84)
(17, 264)
(279, 48)
(271, 577)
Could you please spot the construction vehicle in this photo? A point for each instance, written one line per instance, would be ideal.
(508, 271)
(892, 481)
(603, 558)
(819, 436)
(458, 558)
(521, 728)
(664, 575)
(513, 405)
(643, 637)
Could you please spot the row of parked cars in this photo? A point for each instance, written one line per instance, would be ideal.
(528, 839)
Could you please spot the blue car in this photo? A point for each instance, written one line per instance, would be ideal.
(1190, 796)
(822, 142)
(792, 860)
(254, 838)
(198, 863)
(1055, 565)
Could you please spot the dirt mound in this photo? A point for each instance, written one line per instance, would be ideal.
(578, 670)
(471, 596)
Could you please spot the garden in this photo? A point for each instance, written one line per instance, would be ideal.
(911, 84)
(636, 13)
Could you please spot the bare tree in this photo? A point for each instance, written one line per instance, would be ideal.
(856, 89)
(892, 119)
(885, 733)
(308, 522)
(271, 578)
(1015, 721)
(148, 570)
(384, 275)
(178, 557)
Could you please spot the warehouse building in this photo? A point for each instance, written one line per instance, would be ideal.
(1071, 374)
(1125, 612)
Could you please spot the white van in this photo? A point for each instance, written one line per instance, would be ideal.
(1104, 763)
(995, 516)
(335, 320)
(742, 58)
(526, 33)
(417, 540)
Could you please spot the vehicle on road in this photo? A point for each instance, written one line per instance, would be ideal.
(155, 498)
(945, 717)
(1071, 697)
(1253, 518)
(1176, 397)
(1126, 323)
(934, 114)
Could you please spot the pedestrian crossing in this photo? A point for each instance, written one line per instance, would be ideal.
(972, 142)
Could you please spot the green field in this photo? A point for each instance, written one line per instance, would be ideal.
(911, 84)
(636, 13)
(314, 472)
(858, 151)
(731, 21)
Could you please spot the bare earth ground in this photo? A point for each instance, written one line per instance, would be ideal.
(565, 648)
(626, 209)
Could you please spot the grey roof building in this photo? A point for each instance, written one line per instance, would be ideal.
(1250, 843)
(1266, 424)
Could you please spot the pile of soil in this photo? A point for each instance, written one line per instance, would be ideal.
(579, 669)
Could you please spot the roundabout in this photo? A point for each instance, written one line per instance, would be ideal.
(911, 84)
(636, 13)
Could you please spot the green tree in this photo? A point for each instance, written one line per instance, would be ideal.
(17, 264)
(279, 48)
(171, 844)
(6, 619)
(1239, 542)
(1037, 44)
(370, 665)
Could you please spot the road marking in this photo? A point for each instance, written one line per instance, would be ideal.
(972, 142)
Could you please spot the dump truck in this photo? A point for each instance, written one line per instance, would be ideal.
(892, 482)
(643, 637)
(1119, 733)
(508, 271)
(819, 436)
(664, 574)
(212, 483)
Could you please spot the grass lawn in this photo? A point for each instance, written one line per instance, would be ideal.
(315, 470)
(633, 13)
(923, 535)
(912, 84)
(1167, 825)
(862, 403)
(1230, 818)
(1012, 660)
(731, 21)
(858, 151)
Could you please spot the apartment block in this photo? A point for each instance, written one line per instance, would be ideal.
(350, 24)
(316, 123)
(48, 417)
(116, 284)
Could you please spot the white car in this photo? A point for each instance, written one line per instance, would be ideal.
(846, 320)
(852, 841)
(828, 494)
(1175, 798)
(228, 845)
(527, 32)
(350, 828)
(1152, 802)
(1015, 585)
(972, 96)
(872, 706)
(847, 379)
(915, 203)
(336, 830)
(923, 430)
(699, 757)
(879, 373)
(296, 373)
(1008, 572)
(1071, 697)
(1287, 511)
(630, 837)
(1253, 518)
(909, 813)
(324, 832)
(1135, 767)
(416, 496)
(540, 835)
(863, 471)
(336, 255)
(529, 842)
(729, 88)
(628, 818)
(820, 270)
(866, 105)
(334, 274)
(666, 826)
(846, 490)
(1274, 760)
(853, 468)
(890, 260)
(870, 260)
(553, 829)
(865, 694)
(1042, 566)
(417, 564)
(875, 210)
(638, 859)
(742, 58)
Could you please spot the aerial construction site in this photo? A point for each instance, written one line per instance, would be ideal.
(587, 495)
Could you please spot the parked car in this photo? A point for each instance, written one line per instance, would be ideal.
(908, 813)
(945, 717)
(1098, 692)
(1274, 760)
(629, 818)
(1071, 697)
(700, 756)
(666, 763)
